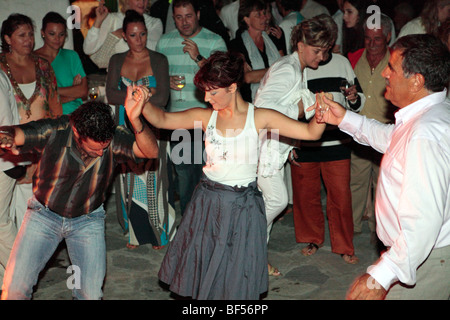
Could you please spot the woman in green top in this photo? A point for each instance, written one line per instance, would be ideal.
(70, 76)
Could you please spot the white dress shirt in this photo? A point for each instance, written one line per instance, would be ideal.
(413, 197)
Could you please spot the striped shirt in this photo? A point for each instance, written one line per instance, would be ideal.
(61, 181)
(171, 46)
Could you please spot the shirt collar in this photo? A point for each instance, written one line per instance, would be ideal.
(383, 62)
(71, 142)
(296, 57)
(70, 138)
(420, 106)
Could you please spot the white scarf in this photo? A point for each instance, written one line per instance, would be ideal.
(256, 60)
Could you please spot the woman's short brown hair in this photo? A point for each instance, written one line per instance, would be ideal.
(320, 31)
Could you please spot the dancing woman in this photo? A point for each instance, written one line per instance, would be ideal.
(220, 249)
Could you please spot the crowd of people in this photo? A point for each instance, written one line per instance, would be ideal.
(242, 111)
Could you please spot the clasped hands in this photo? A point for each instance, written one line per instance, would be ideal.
(137, 97)
(327, 110)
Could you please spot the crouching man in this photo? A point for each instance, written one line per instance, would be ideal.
(78, 154)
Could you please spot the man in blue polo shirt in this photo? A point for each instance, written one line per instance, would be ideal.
(186, 48)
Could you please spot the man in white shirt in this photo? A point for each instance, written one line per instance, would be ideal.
(412, 203)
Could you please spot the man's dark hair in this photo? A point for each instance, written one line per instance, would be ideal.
(291, 5)
(94, 120)
(427, 55)
(183, 3)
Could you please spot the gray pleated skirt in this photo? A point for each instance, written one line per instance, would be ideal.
(220, 249)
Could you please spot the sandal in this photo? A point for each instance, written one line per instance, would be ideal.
(131, 246)
(350, 259)
(273, 271)
(157, 247)
(310, 249)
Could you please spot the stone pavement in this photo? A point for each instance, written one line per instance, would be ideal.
(132, 274)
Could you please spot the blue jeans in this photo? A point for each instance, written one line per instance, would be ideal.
(40, 234)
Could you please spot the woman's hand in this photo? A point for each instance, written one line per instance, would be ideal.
(275, 31)
(101, 12)
(135, 101)
(76, 80)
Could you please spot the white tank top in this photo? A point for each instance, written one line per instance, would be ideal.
(27, 89)
(232, 160)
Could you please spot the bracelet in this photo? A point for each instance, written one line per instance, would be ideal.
(140, 131)
(7, 132)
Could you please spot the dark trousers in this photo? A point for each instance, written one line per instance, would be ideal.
(190, 169)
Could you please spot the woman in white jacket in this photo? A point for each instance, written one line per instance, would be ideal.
(284, 88)
(105, 38)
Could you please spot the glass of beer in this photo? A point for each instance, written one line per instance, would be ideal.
(93, 93)
(180, 81)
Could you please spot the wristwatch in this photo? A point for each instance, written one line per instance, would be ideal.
(199, 58)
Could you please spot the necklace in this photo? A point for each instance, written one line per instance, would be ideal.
(373, 62)
(26, 103)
